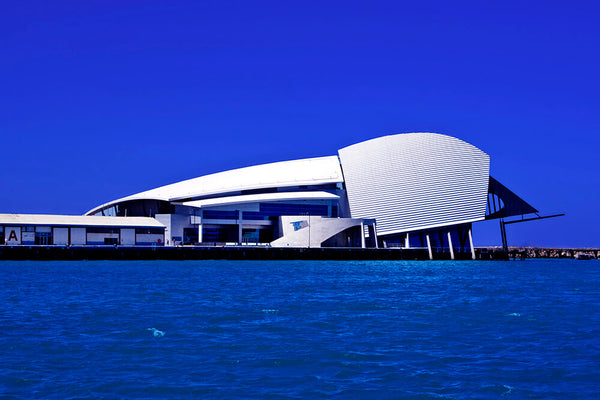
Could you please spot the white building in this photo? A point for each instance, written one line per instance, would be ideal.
(75, 230)
(405, 190)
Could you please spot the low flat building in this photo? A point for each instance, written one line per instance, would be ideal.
(76, 230)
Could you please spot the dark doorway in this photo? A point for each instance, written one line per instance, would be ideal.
(190, 235)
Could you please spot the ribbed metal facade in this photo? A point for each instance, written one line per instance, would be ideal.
(415, 181)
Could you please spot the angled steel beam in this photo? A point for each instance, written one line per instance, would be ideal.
(533, 219)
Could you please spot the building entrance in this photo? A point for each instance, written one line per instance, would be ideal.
(43, 238)
(190, 235)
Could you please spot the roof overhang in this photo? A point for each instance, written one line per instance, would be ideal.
(304, 172)
(78, 220)
(263, 198)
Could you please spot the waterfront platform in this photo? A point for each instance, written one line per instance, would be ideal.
(216, 253)
(278, 253)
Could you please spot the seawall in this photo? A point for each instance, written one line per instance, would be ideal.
(214, 253)
(273, 253)
(551, 252)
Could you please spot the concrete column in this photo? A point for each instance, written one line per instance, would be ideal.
(429, 247)
(200, 233)
(471, 244)
(308, 230)
(239, 221)
(375, 234)
(450, 245)
(407, 241)
(362, 235)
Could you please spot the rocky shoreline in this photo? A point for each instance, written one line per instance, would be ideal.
(540, 252)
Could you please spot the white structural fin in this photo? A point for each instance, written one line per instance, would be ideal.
(416, 181)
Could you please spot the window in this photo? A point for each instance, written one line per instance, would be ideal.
(216, 214)
(259, 191)
(278, 209)
(149, 231)
(43, 238)
(111, 241)
(254, 215)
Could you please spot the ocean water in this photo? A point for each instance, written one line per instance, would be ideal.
(298, 329)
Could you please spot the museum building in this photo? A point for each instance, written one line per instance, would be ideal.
(403, 190)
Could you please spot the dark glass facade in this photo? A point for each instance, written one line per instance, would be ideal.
(137, 208)
(279, 209)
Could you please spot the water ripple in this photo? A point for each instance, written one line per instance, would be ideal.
(218, 329)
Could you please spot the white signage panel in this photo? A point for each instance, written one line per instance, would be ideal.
(12, 234)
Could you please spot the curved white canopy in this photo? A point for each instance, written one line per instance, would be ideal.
(308, 171)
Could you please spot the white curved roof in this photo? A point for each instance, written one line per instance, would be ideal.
(416, 181)
(308, 171)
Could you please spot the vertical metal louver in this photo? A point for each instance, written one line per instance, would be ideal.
(415, 181)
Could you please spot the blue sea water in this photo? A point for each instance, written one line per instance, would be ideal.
(300, 329)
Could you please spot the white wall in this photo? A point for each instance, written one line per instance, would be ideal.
(320, 230)
(78, 236)
(127, 236)
(174, 224)
(149, 238)
(165, 219)
(98, 238)
(60, 236)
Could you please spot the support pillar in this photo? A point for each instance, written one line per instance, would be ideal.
(503, 234)
(239, 227)
(407, 241)
(362, 235)
(375, 235)
(309, 230)
(450, 246)
(471, 244)
(429, 247)
(200, 233)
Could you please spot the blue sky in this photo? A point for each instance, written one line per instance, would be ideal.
(102, 99)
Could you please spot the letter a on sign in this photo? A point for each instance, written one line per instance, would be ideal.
(12, 236)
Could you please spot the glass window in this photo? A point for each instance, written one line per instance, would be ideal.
(278, 209)
(147, 231)
(254, 215)
(43, 238)
(217, 214)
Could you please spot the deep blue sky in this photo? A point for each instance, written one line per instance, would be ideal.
(100, 100)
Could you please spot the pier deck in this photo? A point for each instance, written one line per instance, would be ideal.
(273, 253)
